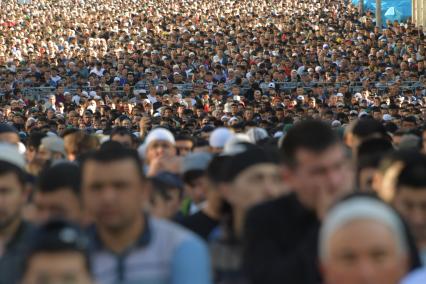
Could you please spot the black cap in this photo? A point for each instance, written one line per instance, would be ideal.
(6, 128)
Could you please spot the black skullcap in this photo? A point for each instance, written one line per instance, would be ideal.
(251, 156)
(6, 128)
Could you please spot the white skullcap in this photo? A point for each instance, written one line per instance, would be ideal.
(256, 134)
(387, 117)
(229, 148)
(54, 144)
(10, 153)
(360, 208)
(362, 113)
(159, 134)
(336, 123)
(219, 137)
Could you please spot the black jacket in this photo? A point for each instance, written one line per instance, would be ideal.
(281, 243)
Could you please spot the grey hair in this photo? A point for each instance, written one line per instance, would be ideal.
(360, 208)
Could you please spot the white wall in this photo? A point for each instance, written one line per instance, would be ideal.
(419, 13)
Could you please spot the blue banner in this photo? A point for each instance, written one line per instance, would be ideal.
(392, 10)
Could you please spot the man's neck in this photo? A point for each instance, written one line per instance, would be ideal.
(119, 240)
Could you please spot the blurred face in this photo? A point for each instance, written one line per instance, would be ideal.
(197, 189)
(159, 149)
(406, 125)
(424, 142)
(9, 137)
(411, 203)
(256, 184)
(184, 147)
(328, 170)
(112, 193)
(12, 198)
(62, 203)
(354, 259)
(58, 267)
(167, 207)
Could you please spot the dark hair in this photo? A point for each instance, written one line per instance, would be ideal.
(311, 135)
(413, 173)
(63, 175)
(6, 168)
(190, 176)
(374, 146)
(122, 131)
(367, 127)
(112, 151)
(216, 169)
(165, 182)
(58, 236)
(34, 140)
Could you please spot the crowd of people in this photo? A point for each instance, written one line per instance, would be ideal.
(197, 142)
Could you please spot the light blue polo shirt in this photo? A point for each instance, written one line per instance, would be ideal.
(164, 254)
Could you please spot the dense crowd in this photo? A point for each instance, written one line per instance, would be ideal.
(193, 141)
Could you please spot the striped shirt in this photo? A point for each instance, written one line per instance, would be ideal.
(165, 253)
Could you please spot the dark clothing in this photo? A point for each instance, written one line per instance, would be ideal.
(11, 262)
(200, 224)
(280, 244)
(226, 257)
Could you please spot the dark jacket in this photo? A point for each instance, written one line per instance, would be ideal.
(11, 262)
(280, 245)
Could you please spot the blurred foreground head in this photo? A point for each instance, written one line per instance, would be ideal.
(362, 241)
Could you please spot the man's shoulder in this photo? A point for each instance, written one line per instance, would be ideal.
(172, 232)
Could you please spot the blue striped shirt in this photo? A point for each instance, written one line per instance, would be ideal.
(165, 253)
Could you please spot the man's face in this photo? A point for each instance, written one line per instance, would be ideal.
(87, 118)
(354, 259)
(12, 197)
(166, 208)
(184, 147)
(424, 142)
(57, 267)
(256, 184)
(197, 189)
(407, 125)
(159, 149)
(328, 171)
(62, 203)
(411, 203)
(112, 192)
(9, 137)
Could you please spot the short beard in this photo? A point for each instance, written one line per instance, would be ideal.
(8, 221)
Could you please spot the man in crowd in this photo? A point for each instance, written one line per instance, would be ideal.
(58, 194)
(195, 179)
(410, 198)
(125, 239)
(14, 231)
(57, 253)
(281, 235)
(347, 256)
